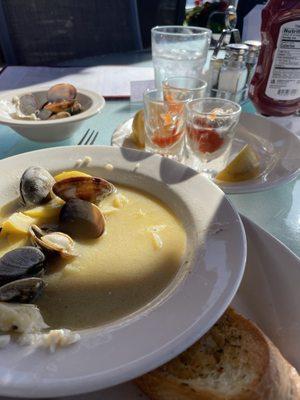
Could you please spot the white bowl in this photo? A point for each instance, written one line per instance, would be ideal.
(210, 275)
(50, 130)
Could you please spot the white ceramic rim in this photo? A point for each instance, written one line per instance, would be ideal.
(191, 326)
(97, 100)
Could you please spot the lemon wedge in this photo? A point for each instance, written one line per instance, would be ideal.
(69, 174)
(17, 224)
(138, 129)
(243, 167)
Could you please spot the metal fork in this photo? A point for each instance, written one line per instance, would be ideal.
(88, 138)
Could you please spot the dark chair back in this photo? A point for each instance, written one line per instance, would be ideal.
(44, 32)
(159, 12)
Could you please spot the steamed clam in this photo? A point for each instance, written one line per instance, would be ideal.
(43, 114)
(61, 97)
(58, 102)
(22, 291)
(81, 219)
(28, 104)
(61, 114)
(83, 187)
(61, 92)
(53, 241)
(76, 108)
(60, 106)
(35, 185)
(23, 262)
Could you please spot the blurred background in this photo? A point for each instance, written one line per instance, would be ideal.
(42, 32)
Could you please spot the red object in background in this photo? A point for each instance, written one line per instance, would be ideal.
(209, 141)
(275, 87)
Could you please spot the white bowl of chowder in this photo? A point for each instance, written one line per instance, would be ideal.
(163, 266)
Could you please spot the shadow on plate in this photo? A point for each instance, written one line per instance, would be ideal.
(172, 172)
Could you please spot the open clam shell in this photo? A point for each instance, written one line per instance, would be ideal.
(86, 188)
(58, 242)
(23, 290)
(60, 92)
(60, 106)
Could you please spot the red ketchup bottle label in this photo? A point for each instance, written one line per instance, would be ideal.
(284, 78)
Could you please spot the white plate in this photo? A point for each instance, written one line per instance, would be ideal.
(278, 148)
(205, 285)
(272, 271)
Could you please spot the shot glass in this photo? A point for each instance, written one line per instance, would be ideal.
(210, 126)
(164, 125)
(179, 50)
(179, 88)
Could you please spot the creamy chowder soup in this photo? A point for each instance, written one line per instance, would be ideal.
(120, 272)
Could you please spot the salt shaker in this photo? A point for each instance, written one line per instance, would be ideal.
(254, 48)
(234, 73)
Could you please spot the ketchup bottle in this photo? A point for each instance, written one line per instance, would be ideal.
(275, 87)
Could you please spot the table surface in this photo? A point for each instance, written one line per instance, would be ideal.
(276, 210)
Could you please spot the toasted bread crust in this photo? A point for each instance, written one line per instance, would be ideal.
(275, 378)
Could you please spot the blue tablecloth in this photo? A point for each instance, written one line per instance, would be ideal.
(276, 210)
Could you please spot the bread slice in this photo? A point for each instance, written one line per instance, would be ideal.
(233, 361)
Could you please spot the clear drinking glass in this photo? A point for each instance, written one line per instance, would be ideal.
(210, 126)
(164, 124)
(183, 88)
(179, 50)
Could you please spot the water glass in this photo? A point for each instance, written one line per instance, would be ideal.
(179, 50)
(179, 88)
(164, 124)
(210, 126)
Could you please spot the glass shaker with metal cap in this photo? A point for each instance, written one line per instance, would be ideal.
(254, 48)
(234, 73)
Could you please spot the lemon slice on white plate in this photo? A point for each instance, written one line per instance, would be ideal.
(244, 166)
(138, 129)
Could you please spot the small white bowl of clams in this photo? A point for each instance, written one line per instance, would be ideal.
(48, 114)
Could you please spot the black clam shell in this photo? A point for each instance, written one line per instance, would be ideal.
(22, 291)
(21, 263)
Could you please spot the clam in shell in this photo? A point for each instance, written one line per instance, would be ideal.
(23, 262)
(86, 188)
(59, 106)
(81, 219)
(28, 104)
(22, 291)
(61, 92)
(62, 114)
(35, 185)
(58, 242)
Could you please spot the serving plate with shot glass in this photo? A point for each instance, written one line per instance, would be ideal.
(278, 150)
